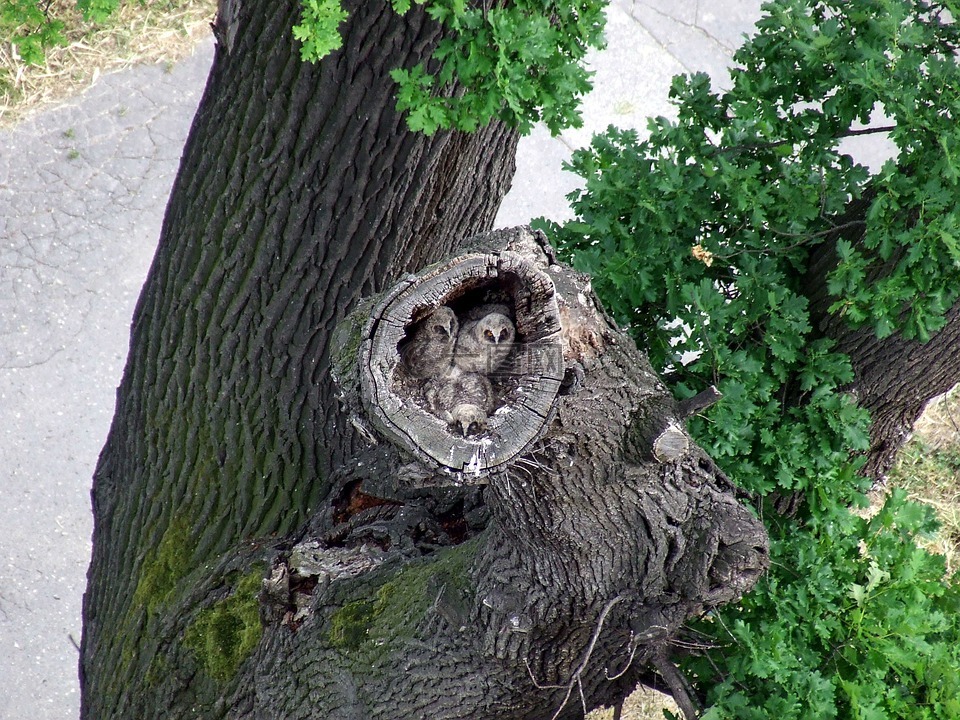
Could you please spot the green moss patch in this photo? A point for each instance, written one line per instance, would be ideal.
(347, 338)
(400, 603)
(226, 633)
(164, 567)
(349, 625)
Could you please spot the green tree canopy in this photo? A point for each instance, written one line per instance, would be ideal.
(704, 239)
(519, 62)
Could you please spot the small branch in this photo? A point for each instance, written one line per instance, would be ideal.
(698, 402)
(804, 238)
(633, 651)
(869, 131)
(677, 684)
(734, 149)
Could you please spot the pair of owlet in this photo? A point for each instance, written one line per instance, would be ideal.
(455, 361)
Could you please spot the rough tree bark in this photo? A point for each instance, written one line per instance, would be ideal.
(550, 592)
(299, 191)
(894, 377)
(232, 460)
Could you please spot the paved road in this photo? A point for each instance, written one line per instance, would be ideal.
(82, 193)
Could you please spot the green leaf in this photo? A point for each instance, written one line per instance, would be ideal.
(853, 613)
(319, 28)
(521, 63)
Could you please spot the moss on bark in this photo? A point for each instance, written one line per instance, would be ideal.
(367, 625)
(164, 567)
(225, 634)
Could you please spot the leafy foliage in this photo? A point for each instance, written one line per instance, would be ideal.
(854, 621)
(699, 238)
(318, 31)
(97, 10)
(30, 27)
(519, 62)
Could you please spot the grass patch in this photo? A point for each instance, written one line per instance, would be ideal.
(928, 468)
(149, 31)
(643, 704)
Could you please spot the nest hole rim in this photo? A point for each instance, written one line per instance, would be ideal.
(522, 276)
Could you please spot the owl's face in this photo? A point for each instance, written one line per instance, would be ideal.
(443, 323)
(496, 329)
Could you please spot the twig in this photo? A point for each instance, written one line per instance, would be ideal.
(575, 677)
(804, 239)
(777, 143)
(677, 684)
(633, 651)
(698, 402)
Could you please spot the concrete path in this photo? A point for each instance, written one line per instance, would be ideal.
(83, 188)
(82, 193)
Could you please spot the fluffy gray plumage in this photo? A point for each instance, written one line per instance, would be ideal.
(483, 345)
(430, 352)
(478, 311)
(464, 400)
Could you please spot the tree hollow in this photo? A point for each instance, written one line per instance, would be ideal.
(525, 386)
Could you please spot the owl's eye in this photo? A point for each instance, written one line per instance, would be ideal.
(503, 335)
(488, 335)
(440, 330)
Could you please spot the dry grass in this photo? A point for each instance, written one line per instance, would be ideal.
(148, 31)
(929, 469)
(939, 426)
(643, 704)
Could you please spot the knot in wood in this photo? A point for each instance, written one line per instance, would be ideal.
(519, 383)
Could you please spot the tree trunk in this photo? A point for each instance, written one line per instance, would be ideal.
(299, 190)
(894, 377)
(262, 548)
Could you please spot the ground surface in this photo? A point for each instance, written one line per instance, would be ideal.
(83, 187)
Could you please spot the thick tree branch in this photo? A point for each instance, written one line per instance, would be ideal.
(894, 377)
(744, 147)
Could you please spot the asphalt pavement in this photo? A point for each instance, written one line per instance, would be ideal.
(83, 188)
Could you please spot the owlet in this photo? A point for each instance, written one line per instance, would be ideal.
(463, 400)
(430, 351)
(483, 345)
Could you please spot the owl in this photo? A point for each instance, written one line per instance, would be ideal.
(483, 345)
(463, 400)
(478, 311)
(429, 352)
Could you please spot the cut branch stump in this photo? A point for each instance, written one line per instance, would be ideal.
(390, 401)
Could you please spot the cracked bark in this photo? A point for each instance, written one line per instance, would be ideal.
(591, 555)
(231, 456)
